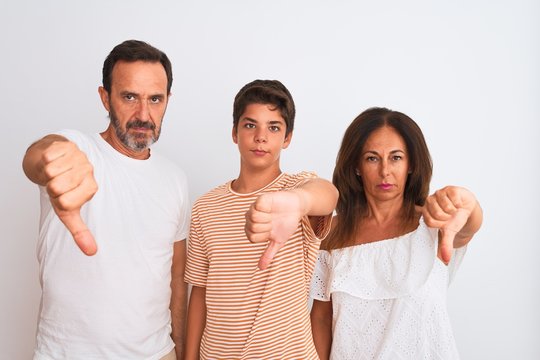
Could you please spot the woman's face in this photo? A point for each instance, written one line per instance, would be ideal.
(384, 165)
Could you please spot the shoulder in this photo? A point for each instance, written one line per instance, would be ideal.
(75, 136)
(213, 196)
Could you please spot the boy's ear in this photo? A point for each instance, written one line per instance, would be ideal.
(234, 134)
(287, 141)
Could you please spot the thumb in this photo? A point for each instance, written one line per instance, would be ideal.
(264, 203)
(80, 232)
(449, 231)
(446, 245)
(269, 253)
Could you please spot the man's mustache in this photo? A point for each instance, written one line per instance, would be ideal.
(141, 124)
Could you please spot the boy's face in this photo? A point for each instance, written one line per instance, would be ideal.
(260, 136)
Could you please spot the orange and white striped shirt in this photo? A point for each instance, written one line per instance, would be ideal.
(252, 313)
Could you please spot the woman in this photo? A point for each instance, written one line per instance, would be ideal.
(379, 287)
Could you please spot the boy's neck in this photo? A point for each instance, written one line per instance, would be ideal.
(251, 181)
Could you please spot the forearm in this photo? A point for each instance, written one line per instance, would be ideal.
(178, 304)
(321, 327)
(318, 196)
(33, 162)
(196, 321)
(178, 309)
(470, 228)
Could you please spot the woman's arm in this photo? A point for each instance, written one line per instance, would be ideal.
(457, 214)
(321, 327)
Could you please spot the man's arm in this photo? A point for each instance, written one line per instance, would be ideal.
(274, 217)
(196, 321)
(178, 298)
(59, 165)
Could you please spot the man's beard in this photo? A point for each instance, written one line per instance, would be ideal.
(138, 141)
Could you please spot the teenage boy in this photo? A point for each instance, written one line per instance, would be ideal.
(248, 300)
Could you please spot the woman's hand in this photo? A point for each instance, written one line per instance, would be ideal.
(456, 213)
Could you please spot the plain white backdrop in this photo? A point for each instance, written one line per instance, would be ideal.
(467, 71)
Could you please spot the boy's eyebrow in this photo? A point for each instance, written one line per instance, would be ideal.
(271, 122)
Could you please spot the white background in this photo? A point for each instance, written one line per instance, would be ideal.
(467, 71)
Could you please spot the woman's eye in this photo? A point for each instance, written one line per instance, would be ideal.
(371, 158)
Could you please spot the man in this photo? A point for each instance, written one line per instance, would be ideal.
(117, 200)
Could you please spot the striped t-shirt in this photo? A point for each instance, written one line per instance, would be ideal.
(252, 313)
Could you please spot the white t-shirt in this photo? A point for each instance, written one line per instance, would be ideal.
(115, 304)
(388, 298)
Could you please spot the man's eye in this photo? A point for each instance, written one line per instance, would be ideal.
(129, 97)
(155, 99)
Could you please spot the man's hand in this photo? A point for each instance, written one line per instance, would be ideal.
(274, 217)
(70, 184)
(448, 210)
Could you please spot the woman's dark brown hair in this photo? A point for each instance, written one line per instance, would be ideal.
(352, 204)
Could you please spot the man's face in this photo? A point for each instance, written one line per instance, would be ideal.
(136, 104)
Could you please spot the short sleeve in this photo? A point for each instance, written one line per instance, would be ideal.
(197, 260)
(455, 262)
(184, 211)
(78, 138)
(319, 281)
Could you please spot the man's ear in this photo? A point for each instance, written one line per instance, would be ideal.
(287, 141)
(104, 96)
(235, 134)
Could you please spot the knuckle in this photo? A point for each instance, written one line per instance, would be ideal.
(64, 203)
(54, 189)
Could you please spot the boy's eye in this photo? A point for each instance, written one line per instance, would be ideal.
(274, 128)
(249, 126)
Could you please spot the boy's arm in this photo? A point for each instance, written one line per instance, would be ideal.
(178, 298)
(196, 321)
(59, 165)
(321, 326)
(274, 217)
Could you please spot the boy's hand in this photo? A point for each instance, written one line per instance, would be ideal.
(274, 217)
(448, 209)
